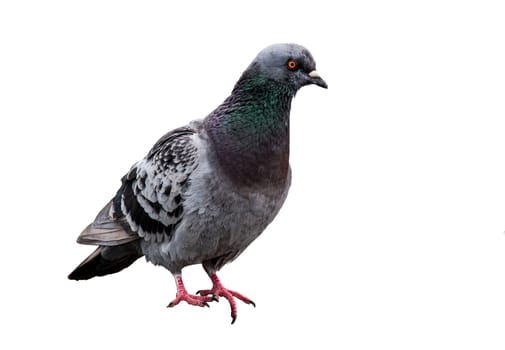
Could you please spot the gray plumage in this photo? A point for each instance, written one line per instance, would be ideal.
(205, 191)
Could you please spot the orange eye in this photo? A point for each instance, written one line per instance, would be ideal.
(292, 64)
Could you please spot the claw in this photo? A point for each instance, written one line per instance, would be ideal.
(218, 291)
(206, 292)
(203, 296)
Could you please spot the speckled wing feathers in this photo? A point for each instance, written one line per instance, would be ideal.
(150, 201)
(152, 195)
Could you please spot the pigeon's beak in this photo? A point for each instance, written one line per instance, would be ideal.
(315, 78)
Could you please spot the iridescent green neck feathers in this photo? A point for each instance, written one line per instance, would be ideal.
(250, 131)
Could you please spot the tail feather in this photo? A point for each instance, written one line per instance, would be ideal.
(106, 260)
(107, 229)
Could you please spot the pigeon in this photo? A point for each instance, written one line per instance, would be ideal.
(206, 190)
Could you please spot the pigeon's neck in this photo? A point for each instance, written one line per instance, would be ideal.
(250, 133)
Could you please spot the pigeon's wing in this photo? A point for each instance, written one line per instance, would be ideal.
(150, 201)
(152, 195)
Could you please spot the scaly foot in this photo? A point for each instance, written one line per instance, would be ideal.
(219, 291)
(183, 295)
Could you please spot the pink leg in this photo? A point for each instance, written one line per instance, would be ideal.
(219, 291)
(183, 295)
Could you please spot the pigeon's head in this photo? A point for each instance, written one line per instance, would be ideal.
(291, 64)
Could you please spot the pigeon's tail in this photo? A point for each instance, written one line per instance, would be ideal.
(107, 260)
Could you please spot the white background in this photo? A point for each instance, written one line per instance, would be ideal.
(392, 236)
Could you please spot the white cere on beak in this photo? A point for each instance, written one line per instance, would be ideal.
(314, 74)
